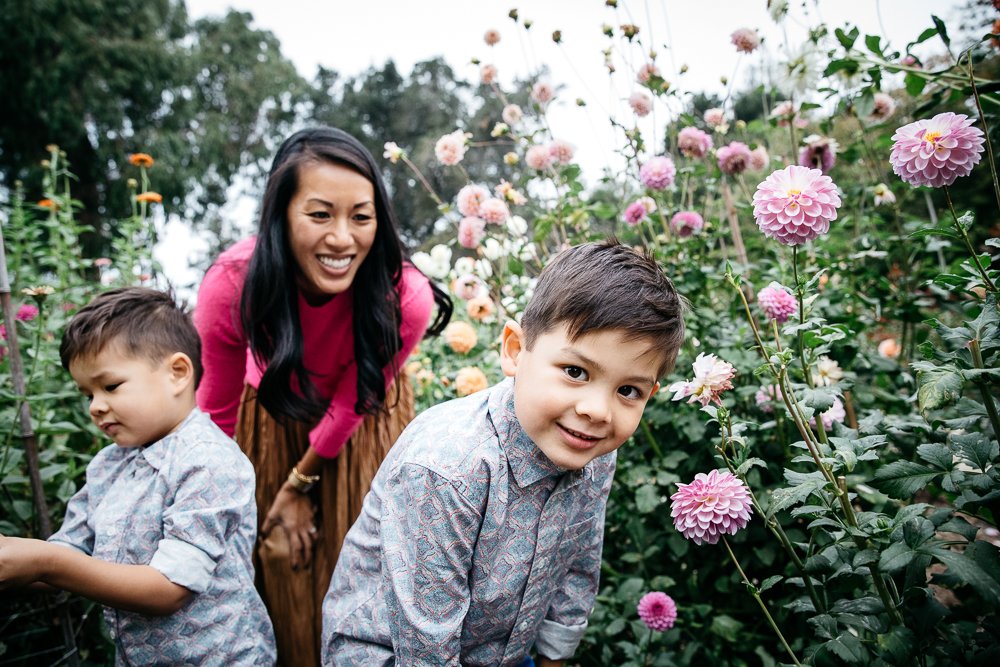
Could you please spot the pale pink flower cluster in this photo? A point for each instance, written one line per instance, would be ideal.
(505, 190)
(715, 117)
(511, 114)
(468, 286)
(686, 223)
(450, 149)
(712, 376)
(542, 92)
(936, 152)
(759, 159)
(693, 142)
(657, 610)
(884, 107)
(538, 158)
(561, 151)
(494, 211)
(647, 72)
(786, 113)
(733, 158)
(777, 302)
(836, 413)
(491, 37)
(641, 103)
(883, 195)
(471, 231)
(795, 204)
(767, 395)
(470, 197)
(746, 40)
(488, 74)
(658, 172)
(635, 213)
(711, 506)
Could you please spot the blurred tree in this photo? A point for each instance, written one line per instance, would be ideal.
(106, 78)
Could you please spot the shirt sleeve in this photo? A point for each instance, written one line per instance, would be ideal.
(76, 531)
(223, 345)
(336, 427)
(428, 531)
(211, 500)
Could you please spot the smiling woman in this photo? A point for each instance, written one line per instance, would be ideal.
(305, 328)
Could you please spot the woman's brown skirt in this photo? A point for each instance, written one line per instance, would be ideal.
(295, 599)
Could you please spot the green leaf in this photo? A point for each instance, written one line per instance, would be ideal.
(935, 231)
(866, 605)
(614, 627)
(726, 627)
(970, 572)
(977, 449)
(937, 455)
(914, 83)
(901, 479)
(896, 557)
(925, 35)
(941, 29)
(819, 399)
(748, 464)
(938, 388)
(787, 496)
(846, 39)
(872, 42)
(770, 581)
(647, 498)
(849, 648)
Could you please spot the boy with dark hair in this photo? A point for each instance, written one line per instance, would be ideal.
(162, 531)
(481, 536)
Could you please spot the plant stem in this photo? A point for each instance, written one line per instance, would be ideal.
(648, 433)
(800, 296)
(968, 243)
(986, 130)
(991, 408)
(756, 595)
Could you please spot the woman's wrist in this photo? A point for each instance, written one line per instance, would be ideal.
(300, 482)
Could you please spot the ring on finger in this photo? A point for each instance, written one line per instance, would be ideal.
(312, 530)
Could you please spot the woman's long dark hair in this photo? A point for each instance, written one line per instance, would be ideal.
(269, 306)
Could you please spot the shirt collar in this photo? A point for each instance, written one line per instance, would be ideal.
(156, 453)
(527, 462)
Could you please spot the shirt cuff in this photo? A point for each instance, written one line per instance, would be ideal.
(556, 641)
(183, 564)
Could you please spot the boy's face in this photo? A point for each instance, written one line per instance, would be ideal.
(132, 400)
(579, 399)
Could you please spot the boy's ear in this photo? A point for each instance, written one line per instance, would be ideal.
(656, 388)
(512, 343)
(181, 371)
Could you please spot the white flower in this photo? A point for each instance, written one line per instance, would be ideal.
(528, 252)
(492, 249)
(484, 269)
(436, 264)
(392, 152)
(517, 225)
(441, 254)
(464, 265)
(801, 72)
(828, 372)
(778, 9)
(712, 376)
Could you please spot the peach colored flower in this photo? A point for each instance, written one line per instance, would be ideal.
(511, 114)
(647, 72)
(479, 308)
(491, 37)
(470, 197)
(460, 336)
(150, 197)
(538, 158)
(488, 74)
(49, 204)
(542, 92)
(450, 149)
(494, 211)
(889, 348)
(141, 160)
(469, 380)
(561, 151)
(471, 231)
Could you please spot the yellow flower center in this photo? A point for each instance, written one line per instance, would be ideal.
(932, 138)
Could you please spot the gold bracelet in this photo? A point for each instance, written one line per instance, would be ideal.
(301, 483)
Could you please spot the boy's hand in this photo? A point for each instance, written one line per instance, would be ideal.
(22, 561)
(293, 511)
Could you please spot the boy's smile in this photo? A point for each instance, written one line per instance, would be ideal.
(579, 399)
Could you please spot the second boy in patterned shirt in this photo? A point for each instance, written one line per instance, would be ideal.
(480, 540)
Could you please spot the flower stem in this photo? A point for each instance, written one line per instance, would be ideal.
(986, 130)
(991, 408)
(800, 296)
(756, 595)
(968, 243)
(648, 433)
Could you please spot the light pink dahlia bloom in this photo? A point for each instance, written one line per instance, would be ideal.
(686, 223)
(470, 197)
(795, 204)
(767, 395)
(935, 152)
(511, 114)
(491, 37)
(759, 159)
(711, 506)
(712, 376)
(561, 151)
(494, 211)
(734, 158)
(836, 414)
(693, 142)
(635, 213)
(777, 302)
(746, 40)
(641, 103)
(471, 231)
(450, 149)
(488, 74)
(542, 92)
(657, 610)
(658, 172)
(715, 117)
(884, 107)
(648, 71)
(538, 158)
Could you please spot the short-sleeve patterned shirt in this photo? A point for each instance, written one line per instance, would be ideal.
(472, 547)
(185, 506)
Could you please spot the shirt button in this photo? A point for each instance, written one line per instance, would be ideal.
(524, 625)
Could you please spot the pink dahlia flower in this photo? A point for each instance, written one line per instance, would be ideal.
(884, 107)
(777, 302)
(759, 159)
(488, 74)
(468, 286)
(450, 149)
(470, 197)
(657, 610)
(647, 72)
(538, 158)
(767, 395)
(26, 312)
(745, 40)
(712, 376)
(935, 152)
(715, 117)
(819, 153)
(494, 211)
(711, 506)
(542, 92)
(491, 37)
(511, 114)
(471, 231)
(692, 142)
(641, 103)
(658, 172)
(734, 158)
(795, 204)
(635, 213)
(686, 223)
(836, 414)
(561, 151)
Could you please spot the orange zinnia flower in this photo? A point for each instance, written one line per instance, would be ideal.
(150, 197)
(141, 159)
(48, 203)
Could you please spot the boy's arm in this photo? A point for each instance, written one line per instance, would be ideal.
(137, 588)
(428, 533)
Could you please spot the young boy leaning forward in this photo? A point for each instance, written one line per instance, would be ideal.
(481, 537)
(162, 531)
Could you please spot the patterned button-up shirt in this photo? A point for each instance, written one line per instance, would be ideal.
(471, 547)
(185, 506)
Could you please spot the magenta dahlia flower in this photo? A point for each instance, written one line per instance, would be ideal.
(692, 142)
(686, 223)
(657, 610)
(935, 152)
(711, 506)
(26, 312)
(658, 172)
(734, 158)
(795, 204)
(819, 153)
(712, 376)
(777, 302)
(635, 213)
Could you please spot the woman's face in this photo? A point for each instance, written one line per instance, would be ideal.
(331, 227)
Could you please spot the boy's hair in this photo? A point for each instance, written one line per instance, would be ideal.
(607, 285)
(146, 323)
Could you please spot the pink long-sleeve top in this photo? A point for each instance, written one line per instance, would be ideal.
(328, 341)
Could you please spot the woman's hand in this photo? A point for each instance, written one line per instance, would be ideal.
(293, 511)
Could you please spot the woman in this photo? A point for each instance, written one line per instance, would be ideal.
(305, 329)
